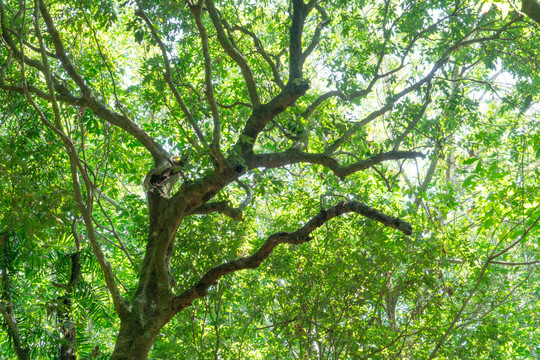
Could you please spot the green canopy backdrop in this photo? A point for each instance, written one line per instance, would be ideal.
(269, 179)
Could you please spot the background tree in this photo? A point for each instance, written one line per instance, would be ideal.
(392, 145)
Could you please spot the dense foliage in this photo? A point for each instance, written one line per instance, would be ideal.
(269, 179)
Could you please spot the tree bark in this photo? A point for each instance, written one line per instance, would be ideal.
(134, 341)
(151, 306)
(67, 327)
(532, 9)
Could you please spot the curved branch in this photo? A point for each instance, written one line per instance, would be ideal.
(349, 97)
(67, 99)
(249, 195)
(101, 110)
(61, 51)
(234, 54)
(361, 93)
(260, 49)
(388, 106)
(236, 103)
(443, 59)
(506, 263)
(322, 98)
(293, 156)
(519, 240)
(224, 208)
(429, 175)
(317, 35)
(168, 74)
(297, 237)
(264, 113)
(216, 137)
(294, 89)
(75, 166)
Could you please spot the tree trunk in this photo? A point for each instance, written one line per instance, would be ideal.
(67, 327)
(134, 342)
(151, 304)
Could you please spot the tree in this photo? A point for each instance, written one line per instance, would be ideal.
(285, 117)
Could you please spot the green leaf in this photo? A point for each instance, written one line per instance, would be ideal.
(470, 161)
(470, 180)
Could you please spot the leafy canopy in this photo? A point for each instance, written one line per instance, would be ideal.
(393, 145)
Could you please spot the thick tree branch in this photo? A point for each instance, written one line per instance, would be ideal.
(292, 156)
(61, 52)
(294, 89)
(296, 57)
(100, 110)
(297, 237)
(67, 99)
(532, 9)
(63, 92)
(11, 44)
(14, 52)
(264, 113)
